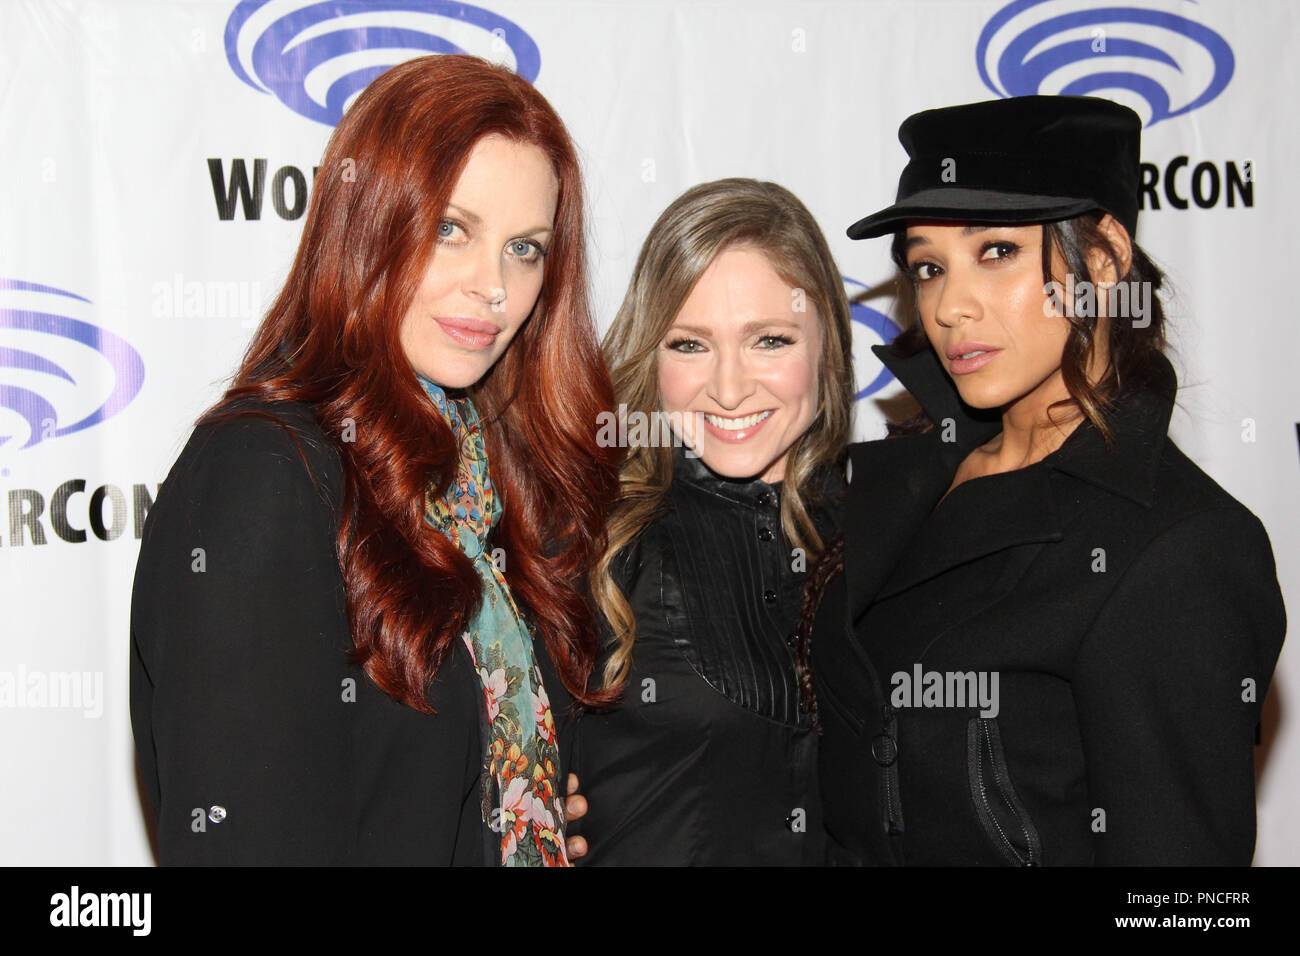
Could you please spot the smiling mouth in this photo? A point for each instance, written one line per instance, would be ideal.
(737, 424)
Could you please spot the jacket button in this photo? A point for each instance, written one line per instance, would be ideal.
(884, 749)
(767, 498)
(765, 534)
(769, 596)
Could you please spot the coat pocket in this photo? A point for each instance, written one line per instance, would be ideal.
(1001, 814)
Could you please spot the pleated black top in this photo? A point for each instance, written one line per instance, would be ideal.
(709, 758)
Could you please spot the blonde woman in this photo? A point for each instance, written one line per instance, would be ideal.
(732, 345)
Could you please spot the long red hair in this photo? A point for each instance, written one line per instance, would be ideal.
(331, 339)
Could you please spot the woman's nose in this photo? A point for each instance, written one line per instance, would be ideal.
(958, 300)
(733, 381)
(484, 279)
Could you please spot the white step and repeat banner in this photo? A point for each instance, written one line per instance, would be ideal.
(157, 160)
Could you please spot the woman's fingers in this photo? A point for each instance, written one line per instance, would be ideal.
(575, 805)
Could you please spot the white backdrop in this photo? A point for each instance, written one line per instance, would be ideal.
(126, 299)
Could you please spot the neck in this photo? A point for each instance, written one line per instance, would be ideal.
(1032, 429)
(1030, 432)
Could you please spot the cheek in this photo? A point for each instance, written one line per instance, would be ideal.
(416, 332)
(436, 286)
(795, 382)
(679, 382)
(1028, 306)
(931, 330)
(523, 292)
(925, 313)
(1026, 303)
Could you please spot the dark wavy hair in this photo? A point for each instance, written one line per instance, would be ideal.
(331, 339)
(1132, 350)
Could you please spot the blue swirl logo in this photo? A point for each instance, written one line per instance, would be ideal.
(1133, 54)
(48, 357)
(881, 325)
(315, 57)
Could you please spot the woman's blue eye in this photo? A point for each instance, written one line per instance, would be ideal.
(775, 341)
(527, 251)
(445, 229)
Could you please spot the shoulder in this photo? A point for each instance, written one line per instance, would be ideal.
(1189, 503)
(243, 526)
(644, 552)
(260, 470)
(1202, 558)
(1183, 486)
(252, 429)
(254, 447)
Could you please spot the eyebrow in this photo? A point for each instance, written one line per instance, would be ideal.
(749, 328)
(757, 325)
(478, 220)
(970, 230)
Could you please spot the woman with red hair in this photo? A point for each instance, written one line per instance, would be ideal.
(356, 611)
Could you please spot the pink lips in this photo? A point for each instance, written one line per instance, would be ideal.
(964, 366)
(469, 332)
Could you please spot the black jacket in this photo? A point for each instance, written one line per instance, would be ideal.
(1129, 608)
(242, 696)
(708, 759)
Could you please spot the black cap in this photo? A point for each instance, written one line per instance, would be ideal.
(1016, 160)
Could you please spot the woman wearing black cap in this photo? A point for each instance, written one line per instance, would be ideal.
(1052, 632)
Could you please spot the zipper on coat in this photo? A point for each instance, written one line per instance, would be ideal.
(1002, 816)
(888, 760)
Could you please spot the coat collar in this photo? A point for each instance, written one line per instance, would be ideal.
(897, 482)
(1139, 426)
(823, 493)
(691, 471)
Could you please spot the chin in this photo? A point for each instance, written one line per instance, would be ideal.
(738, 467)
(983, 398)
(453, 374)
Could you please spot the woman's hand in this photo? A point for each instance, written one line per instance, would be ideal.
(575, 806)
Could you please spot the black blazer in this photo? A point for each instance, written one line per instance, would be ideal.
(242, 696)
(1128, 606)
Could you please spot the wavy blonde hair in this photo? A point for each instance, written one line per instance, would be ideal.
(699, 225)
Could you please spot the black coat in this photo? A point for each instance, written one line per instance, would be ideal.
(709, 758)
(1126, 603)
(242, 696)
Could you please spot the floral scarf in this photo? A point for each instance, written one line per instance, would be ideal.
(520, 798)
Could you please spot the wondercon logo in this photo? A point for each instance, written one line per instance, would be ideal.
(1149, 57)
(58, 374)
(882, 327)
(316, 57)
